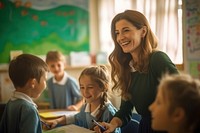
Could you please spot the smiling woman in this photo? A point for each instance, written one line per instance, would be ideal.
(136, 67)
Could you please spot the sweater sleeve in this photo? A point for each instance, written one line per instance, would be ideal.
(125, 112)
(30, 122)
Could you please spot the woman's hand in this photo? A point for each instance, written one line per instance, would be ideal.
(109, 127)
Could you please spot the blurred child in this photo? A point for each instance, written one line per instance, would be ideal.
(94, 84)
(176, 108)
(63, 89)
(28, 74)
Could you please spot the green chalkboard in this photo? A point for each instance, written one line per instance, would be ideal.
(22, 27)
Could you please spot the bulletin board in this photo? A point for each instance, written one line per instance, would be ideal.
(192, 35)
(37, 26)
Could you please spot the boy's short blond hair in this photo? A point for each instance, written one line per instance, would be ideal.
(55, 56)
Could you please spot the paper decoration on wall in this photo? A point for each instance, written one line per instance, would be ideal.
(194, 69)
(193, 29)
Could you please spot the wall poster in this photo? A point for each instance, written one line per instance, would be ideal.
(193, 29)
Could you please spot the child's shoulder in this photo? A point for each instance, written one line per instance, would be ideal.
(71, 78)
(24, 103)
(21, 105)
(110, 107)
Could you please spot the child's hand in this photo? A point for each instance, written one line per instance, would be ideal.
(72, 108)
(45, 126)
(50, 124)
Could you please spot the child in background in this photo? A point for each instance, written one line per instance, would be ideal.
(177, 105)
(28, 74)
(63, 89)
(94, 84)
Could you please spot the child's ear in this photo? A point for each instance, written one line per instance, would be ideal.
(178, 114)
(32, 82)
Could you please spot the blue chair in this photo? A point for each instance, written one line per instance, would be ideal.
(133, 124)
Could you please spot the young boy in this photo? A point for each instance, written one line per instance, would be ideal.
(177, 105)
(63, 89)
(28, 74)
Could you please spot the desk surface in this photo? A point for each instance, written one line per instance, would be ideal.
(55, 113)
(69, 129)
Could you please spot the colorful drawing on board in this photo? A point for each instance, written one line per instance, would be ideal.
(37, 26)
(193, 28)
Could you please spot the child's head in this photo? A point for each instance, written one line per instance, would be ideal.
(94, 83)
(56, 62)
(28, 71)
(177, 104)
